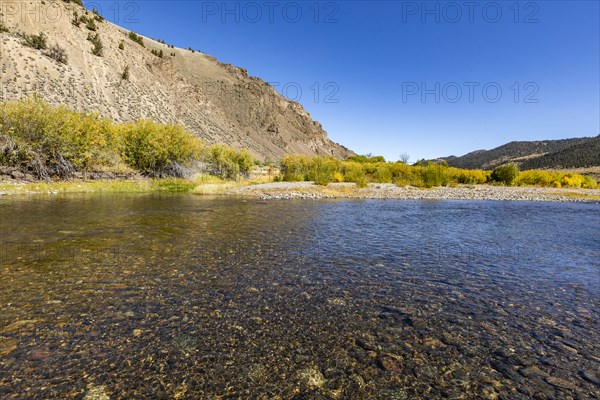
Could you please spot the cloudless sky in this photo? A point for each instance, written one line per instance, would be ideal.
(428, 78)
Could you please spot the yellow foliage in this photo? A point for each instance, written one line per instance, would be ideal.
(56, 141)
(338, 177)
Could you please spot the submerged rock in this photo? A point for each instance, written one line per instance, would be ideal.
(312, 377)
(592, 376)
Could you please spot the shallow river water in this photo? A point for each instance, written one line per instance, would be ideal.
(178, 296)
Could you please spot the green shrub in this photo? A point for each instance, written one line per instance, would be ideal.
(424, 174)
(227, 163)
(362, 182)
(136, 38)
(505, 174)
(354, 172)
(125, 73)
(97, 49)
(76, 21)
(176, 185)
(367, 159)
(3, 28)
(555, 179)
(98, 46)
(157, 149)
(589, 183)
(54, 141)
(157, 53)
(121, 46)
(435, 175)
(91, 24)
(383, 174)
(57, 142)
(245, 162)
(97, 15)
(38, 42)
(470, 177)
(294, 168)
(57, 53)
(78, 2)
(321, 170)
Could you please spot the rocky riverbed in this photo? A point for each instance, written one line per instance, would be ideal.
(308, 190)
(165, 296)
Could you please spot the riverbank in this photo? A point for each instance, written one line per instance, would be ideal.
(202, 185)
(261, 188)
(308, 190)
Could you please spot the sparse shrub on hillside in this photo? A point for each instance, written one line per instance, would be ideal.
(97, 15)
(38, 42)
(76, 21)
(505, 174)
(136, 38)
(57, 53)
(121, 46)
(78, 2)
(91, 24)
(125, 73)
(97, 42)
(3, 28)
(157, 53)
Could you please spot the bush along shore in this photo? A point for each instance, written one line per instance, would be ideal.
(47, 143)
(363, 170)
(45, 149)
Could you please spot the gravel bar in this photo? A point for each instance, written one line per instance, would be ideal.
(308, 190)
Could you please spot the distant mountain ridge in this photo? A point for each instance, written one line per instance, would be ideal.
(546, 154)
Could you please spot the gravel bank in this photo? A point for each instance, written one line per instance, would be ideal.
(308, 190)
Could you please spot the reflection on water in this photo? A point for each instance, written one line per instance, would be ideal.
(152, 296)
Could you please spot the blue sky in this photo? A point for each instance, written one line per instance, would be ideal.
(424, 78)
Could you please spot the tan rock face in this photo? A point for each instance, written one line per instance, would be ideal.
(219, 102)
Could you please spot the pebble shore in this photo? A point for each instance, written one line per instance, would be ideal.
(308, 190)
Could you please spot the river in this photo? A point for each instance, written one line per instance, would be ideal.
(181, 296)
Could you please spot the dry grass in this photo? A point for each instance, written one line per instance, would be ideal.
(103, 186)
(211, 185)
(201, 184)
(576, 195)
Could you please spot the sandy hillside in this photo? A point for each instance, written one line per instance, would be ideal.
(219, 102)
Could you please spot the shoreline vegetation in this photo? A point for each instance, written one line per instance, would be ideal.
(45, 149)
(265, 189)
